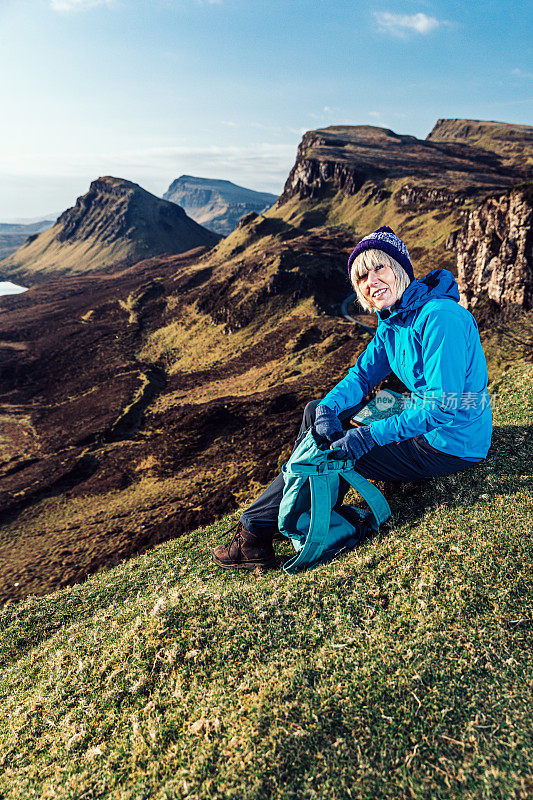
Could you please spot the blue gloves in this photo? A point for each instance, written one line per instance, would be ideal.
(349, 445)
(327, 424)
(354, 444)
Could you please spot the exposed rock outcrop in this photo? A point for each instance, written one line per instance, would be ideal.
(411, 195)
(495, 250)
(115, 222)
(216, 204)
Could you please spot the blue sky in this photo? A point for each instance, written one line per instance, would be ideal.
(151, 89)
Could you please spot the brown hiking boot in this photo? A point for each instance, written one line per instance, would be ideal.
(245, 551)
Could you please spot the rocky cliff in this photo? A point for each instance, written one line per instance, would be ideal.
(495, 250)
(216, 204)
(348, 157)
(116, 222)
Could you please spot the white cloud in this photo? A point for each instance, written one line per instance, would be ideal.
(76, 5)
(401, 24)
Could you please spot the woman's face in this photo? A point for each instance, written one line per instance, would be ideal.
(379, 287)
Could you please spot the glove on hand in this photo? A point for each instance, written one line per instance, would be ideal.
(354, 444)
(327, 424)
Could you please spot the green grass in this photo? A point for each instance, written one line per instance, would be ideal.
(403, 670)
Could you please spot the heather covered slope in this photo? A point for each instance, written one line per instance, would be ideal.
(115, 223)
(402, 670)
(147, 402)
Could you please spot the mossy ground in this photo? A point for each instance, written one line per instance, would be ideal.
(403, 670)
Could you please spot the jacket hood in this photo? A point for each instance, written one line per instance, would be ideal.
(437, 284)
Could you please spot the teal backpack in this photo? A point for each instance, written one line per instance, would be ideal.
(307, 516)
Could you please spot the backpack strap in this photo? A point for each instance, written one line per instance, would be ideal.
(316, 539)
(311, 464)
(375, 499)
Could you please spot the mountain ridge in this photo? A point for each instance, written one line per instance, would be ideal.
(215, 203)
(115, 222)
(14, 234)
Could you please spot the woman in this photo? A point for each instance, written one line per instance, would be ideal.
(432, 344)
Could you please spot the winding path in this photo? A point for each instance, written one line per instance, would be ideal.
(344, 312)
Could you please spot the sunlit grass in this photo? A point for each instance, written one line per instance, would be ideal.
(404, 669)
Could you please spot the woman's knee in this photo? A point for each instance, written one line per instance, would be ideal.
(310, 412)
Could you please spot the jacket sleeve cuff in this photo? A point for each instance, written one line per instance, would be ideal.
(368, 439)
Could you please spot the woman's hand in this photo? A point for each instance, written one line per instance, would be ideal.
(327, 424)
(354, 444)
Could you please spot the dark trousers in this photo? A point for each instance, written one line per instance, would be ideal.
(410, 460)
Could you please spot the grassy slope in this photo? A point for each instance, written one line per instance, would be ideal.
(425, 232)
(403, 670)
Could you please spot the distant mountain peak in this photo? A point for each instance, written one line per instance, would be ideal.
(216, 203)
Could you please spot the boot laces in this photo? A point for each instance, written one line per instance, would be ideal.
(237, 536)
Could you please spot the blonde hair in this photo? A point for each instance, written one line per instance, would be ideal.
(370, 259)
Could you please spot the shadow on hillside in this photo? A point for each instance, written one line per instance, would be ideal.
(505, 468)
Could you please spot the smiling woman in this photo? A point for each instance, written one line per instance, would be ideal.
(378, 280)
(432, 344)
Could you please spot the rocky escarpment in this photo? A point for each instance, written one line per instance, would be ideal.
(410, 196)
(216, 204)
(495, 250)
(115, 222)
(513, 144)
(344, 158)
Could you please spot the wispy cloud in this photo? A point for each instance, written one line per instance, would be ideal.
(77, 5)
(402, 24)
(520, 73)
(261, 165)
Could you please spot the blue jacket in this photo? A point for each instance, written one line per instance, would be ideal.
(432, 344)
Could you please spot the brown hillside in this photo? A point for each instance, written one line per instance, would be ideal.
(141, 404)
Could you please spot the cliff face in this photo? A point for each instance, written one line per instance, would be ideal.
(115, 222)
(495, 250)
(360, 177)
(347, 157)
(216, 204)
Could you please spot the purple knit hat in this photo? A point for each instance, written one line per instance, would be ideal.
(386, 240)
